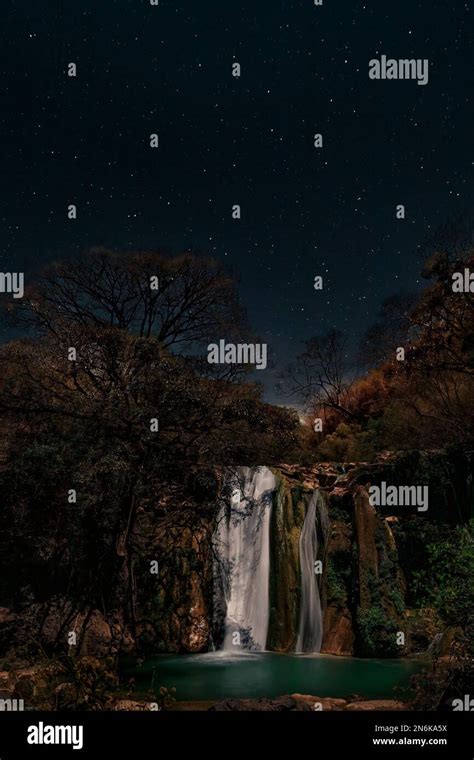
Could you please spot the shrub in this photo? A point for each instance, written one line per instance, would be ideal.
(376, 633)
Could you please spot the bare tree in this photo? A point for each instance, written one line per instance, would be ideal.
(179, 300)
(320, 376)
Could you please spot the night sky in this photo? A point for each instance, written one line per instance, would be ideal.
(247, 141)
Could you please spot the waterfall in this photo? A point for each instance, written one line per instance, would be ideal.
(310, 628)
(242, 544)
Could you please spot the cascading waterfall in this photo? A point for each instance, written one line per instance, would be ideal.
(242, 564)
(310, 628)
(242, 543)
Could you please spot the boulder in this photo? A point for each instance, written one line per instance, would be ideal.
(327, 703)
(131, 705)
(93, 632)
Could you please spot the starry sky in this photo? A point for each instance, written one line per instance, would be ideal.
(246, 141)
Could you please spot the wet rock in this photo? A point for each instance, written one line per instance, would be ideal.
(377, 704)
(324, 703)
(338, 637)
(174, 607)
(338, 632)
(282, 704)
(287, 519)
(366, 521)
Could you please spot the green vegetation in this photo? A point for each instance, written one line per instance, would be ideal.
(377, 633)
(339, 577)
(348, 443)
(446, 581)
(446, 584)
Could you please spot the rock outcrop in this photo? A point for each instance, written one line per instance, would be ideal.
(287, 519)
(368, 568)
(306, 703)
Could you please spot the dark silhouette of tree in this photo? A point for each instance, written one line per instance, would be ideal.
(178, 300)
(321, 376)
(127, 423)
(392, 329)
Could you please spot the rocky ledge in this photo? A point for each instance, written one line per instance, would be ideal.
(287, 703)
(307, 703)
